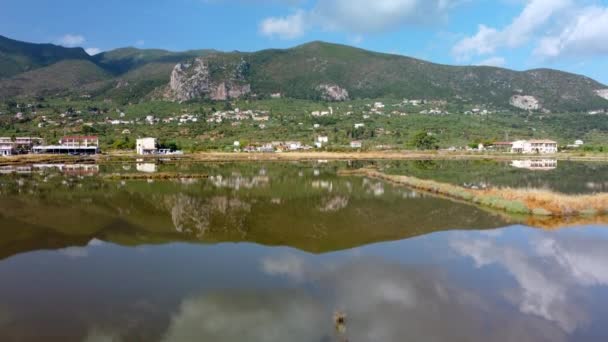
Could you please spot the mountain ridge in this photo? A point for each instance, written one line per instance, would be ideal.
(305, 71)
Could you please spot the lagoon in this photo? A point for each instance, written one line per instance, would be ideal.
(276, 251)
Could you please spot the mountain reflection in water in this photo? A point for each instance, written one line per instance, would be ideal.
(313, 213)
(272, 253)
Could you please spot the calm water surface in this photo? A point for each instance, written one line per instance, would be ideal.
(560, 176)
(271, 252)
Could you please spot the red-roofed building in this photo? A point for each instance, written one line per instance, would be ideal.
(80, 141)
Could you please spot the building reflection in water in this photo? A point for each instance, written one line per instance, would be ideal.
(535, 164)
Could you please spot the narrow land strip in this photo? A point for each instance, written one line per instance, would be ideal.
(539, 203)
(296, 156)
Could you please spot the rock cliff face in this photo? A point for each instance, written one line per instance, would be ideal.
(603, 93)
(332, 92)
(525, 102)
(210, 78)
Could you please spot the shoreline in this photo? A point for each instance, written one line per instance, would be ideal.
(295, 156)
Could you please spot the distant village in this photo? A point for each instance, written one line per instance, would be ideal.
(89, 145)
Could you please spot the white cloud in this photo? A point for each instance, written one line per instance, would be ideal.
(140, 42)
(585, 34)
(493, 61)
(357, 16)
(71, 40)
(536, 15)
(363, 16)
(92, 51)
(289, 27)
(482, 43)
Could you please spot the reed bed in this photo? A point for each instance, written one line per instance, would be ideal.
(534, 202)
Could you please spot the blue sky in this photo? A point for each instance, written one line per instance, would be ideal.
(570, 35)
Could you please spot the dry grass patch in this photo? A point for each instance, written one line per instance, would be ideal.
(515, 201)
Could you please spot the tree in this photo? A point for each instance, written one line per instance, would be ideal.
(89, 130)
(425, 141)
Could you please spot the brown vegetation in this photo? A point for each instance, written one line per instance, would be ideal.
(44, 159)
(516, 201)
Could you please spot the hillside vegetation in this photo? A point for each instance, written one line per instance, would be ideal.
(17, 57)
(130, 75)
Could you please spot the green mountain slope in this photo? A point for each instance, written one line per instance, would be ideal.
(364, 74)
(57, 79)
(124, 60)
(17, 57)
(302, 72)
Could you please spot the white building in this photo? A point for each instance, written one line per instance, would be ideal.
(146, 146)
(293, 145)
(6, 151)
(534, 146)
(323, 139)
(356, 144)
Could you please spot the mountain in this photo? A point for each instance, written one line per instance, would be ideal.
(316, 71)
(17, 57)
(123, 60)
(320, 70)
(138, 72)
(61, 78)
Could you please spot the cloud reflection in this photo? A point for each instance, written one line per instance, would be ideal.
(382, 301)
(276, 316)
(551, 273)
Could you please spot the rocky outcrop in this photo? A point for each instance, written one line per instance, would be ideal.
(332, 92)
(525, 102)
(603, 93)
(210, 78)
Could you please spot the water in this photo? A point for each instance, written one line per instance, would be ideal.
(274, 252)
(561, 176)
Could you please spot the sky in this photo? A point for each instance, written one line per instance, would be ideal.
(570, 35)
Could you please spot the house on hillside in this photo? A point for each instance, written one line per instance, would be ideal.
(356, 144)
(146, 146)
